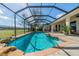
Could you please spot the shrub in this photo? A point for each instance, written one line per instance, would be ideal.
(66, 29)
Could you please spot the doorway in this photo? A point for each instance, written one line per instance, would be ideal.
(73, 27)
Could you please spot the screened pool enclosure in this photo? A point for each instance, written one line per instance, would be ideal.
(20, 18)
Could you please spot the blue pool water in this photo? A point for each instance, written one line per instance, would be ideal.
(35, 41)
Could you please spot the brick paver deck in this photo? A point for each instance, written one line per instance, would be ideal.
(70, 49)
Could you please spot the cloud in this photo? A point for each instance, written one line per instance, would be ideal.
(3, 17)
(23, 4)
(20, 4)
(1, 12)
(59, 15)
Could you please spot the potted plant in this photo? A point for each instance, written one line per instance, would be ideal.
(66, 30)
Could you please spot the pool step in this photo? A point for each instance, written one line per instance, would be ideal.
(15, 53)
(5, 50)
(10, 51)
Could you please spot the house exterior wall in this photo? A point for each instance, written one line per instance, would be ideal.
(66, 20)
(61, 23)
(77, 23)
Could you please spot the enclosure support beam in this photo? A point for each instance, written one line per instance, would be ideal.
(41, 7)
(15, 25)
(41, 19)
(10, 10)
(68, 24)
(60, 9)
(52, 28)
(28, 28)
(41, 16)
(24, 26)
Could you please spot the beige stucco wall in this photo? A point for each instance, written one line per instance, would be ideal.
(61, 23)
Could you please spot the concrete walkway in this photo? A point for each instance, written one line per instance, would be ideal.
(69, 50)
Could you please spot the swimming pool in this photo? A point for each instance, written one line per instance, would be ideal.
(35, 41)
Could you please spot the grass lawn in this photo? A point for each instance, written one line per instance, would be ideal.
(8, 33)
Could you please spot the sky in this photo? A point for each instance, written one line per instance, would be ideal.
(7, 17)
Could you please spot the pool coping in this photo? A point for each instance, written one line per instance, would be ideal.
(66, 41)
(17, 36)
